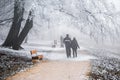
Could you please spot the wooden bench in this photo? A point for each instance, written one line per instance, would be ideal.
(38, 57)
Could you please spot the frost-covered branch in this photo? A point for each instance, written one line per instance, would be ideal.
(6, 20)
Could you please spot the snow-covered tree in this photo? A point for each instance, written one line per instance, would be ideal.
(16, 24)
(15, 36)
(96, 20)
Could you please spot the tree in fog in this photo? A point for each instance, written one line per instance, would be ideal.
(24, 32)
(15, 37)
(16, 24)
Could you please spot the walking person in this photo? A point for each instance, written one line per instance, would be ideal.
(75, 46)
(67, 42)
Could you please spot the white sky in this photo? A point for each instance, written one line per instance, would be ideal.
(116, 3)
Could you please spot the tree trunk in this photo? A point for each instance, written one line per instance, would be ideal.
(15, 28)
(14, 39)
(26, 39)
(24, 32)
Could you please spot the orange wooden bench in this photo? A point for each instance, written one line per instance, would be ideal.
(34, 52)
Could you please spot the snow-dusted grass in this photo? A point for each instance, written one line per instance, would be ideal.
(10, 65)
(106, 67)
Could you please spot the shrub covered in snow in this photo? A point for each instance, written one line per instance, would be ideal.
(106, 67)
(10, 65)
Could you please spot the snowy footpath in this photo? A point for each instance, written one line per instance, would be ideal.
(55, 65)
(55, 70)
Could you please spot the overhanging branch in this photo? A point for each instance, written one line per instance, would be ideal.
(9, 19)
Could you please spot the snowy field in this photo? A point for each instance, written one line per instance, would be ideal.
(56, 53)
(61, 56)
(47, 51)
(90, 21)
(105, 64)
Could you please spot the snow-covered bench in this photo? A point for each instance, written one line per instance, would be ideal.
(35, 56)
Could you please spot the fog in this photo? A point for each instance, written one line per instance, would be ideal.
(90, 21)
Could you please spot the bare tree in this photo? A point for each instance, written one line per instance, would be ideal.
(15, 28)
(24, 32)
(15, 37)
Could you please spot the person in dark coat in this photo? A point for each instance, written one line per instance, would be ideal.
(75, 46)
(67, 42)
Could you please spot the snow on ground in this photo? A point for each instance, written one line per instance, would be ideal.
(56, 53)
(107, 65)
(44, 47)
(20, 53)
(47, 51)
(62, 56)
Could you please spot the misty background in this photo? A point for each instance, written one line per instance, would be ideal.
(92, 22)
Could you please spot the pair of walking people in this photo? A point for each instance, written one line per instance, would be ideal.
(70, 44)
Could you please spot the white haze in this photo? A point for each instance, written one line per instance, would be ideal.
(90, 21)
